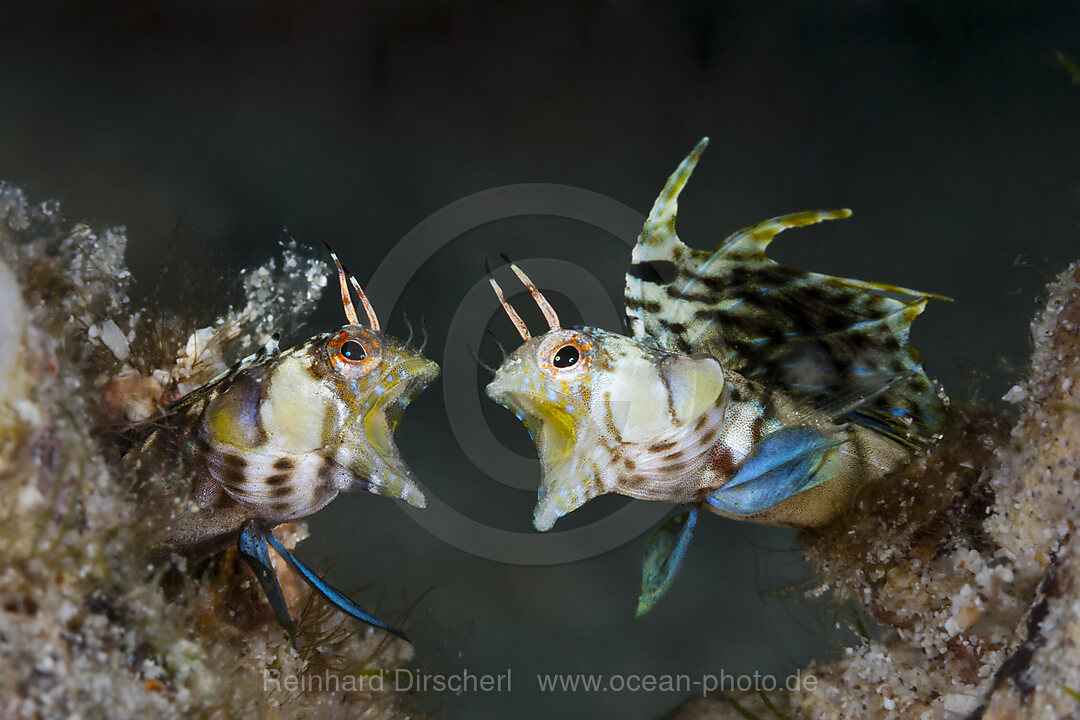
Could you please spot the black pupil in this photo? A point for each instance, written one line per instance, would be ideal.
(566, 356)
(353, 350)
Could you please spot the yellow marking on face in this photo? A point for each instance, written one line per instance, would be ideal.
(558, 430)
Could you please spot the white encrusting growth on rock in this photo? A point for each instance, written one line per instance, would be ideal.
(85, 631)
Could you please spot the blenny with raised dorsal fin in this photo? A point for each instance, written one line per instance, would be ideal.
(758, 391)
(275, 439)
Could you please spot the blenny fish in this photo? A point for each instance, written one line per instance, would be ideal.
(275, 439)
(757, 391)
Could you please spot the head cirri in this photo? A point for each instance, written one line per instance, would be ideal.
(277, 437)
(286, 436)
(756, 391)
(284, 433)
(607, 413)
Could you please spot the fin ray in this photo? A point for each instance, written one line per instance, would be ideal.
(762, 319)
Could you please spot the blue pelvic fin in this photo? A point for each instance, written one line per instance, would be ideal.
(252, 547)
(663, 557)
(781, 465)
(334, 596)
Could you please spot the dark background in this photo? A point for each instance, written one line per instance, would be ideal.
(209, 128)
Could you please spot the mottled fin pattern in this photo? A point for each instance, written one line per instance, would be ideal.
(810, 336)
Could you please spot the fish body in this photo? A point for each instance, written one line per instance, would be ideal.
(752, 390)
(636, 419)
(276, 438)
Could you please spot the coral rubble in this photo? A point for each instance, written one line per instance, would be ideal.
(85, 629)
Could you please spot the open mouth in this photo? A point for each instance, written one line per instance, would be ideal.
(548, 422)
(552, 427)
(383, 465)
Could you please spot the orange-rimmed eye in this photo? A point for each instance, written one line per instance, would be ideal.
(348, 351)
(566, 352)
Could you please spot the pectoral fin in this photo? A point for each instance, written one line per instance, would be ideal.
(780, 466)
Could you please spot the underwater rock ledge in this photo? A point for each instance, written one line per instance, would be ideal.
(85, 629)
(971, 559)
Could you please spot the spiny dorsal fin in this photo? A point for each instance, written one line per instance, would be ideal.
(804, 334)
(661, 222)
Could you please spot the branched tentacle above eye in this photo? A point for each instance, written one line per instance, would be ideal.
(757, 391)
(276, 438)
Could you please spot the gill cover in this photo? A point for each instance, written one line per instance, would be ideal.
(608, 413)
(757, 391)
(287, 434)
(280, 435)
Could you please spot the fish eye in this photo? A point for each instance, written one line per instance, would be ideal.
(566, 356)
(352, 350)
